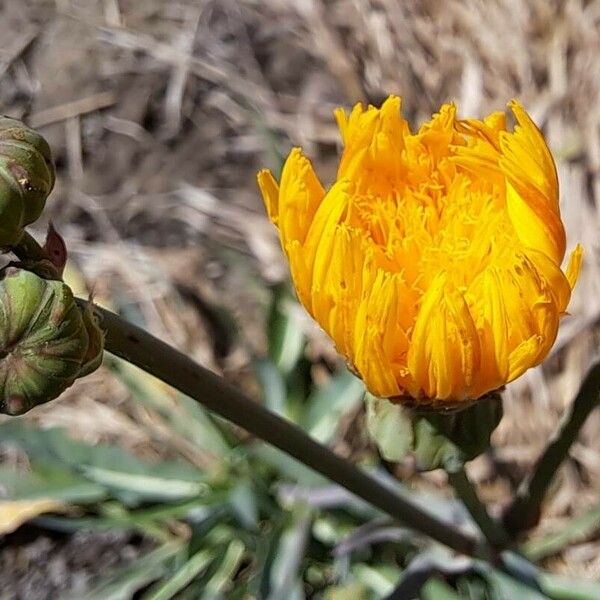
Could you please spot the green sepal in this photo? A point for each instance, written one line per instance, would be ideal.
(442, 439)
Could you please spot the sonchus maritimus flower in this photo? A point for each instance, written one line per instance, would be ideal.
(434, 260)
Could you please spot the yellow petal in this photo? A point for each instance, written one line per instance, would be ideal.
(300, 194)
(574, 266)
(526, 157)
(492, 327)
(330, 213)
(373, 318)
(337, 287)
(444, 352)
(270, 193)
(557, 283)
(534, 316)
(537, 226)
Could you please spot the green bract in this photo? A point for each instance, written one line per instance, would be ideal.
(26, 178)
(435, 439)
(46, 340)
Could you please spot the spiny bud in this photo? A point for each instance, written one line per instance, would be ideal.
(46, 340)
(26, 178)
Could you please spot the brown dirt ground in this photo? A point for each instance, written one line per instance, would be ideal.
(160, 113)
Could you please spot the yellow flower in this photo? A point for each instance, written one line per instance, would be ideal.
(434, 259)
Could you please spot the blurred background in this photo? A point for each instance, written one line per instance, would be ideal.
(159, 113)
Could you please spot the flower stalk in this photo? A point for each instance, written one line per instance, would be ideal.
(174, 368)
(491, 529)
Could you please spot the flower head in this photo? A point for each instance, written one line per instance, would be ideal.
(434, 259)
(26, 178)
(47, 340)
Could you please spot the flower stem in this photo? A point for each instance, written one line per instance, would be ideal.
(491, 529)
(525, 510)
(174, 368)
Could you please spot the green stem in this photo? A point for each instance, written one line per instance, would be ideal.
(154, 356)
(525, 510)
(491, 529)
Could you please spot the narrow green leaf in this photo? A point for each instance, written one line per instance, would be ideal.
(222, 579)
(288, 468)
(273, 386)
(192, 568)
(327, 404)
(49, 481)
(557, 587)
(351, 591)
(380, 579)
(286, 339)
(523, 513)
(128, 477)
(503, 587)
(184, 416)
(437, 589)
(285, 570)
(160, 488)
(127, 581)
(575, 530)
(243, 502)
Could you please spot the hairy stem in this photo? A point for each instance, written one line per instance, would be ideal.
(174, 368)
(524, 512)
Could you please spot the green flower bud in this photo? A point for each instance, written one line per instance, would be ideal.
(46, 340)
(26, 178)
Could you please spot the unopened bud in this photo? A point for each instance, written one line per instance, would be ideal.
(46, 340)
(26, 178)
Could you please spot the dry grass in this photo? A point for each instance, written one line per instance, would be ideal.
(159, 114)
